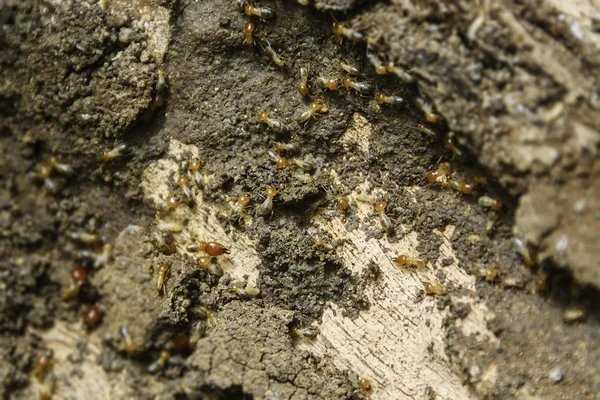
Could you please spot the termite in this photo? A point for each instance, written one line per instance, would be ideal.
(274, 56)
(303, 85)
(340, 31)
(118, 151)
(275, 125)
(267, 206)
(161, 276)
(314, 108)
(360, 87)
(416, 262)
(384, 99)
(386, 222)
(249, 29)
(260, 12)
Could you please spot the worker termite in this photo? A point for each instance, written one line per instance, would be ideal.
(161, 276)
(83, 237)
(249, 28)
(350, 69)
(399, 72)
(384, 99)
(54, 164)
(77, 279)
(170, 227)
(304, 333)
(415, 262)
(461, 185)
(441, 174)
(246, 292)
(386, 222)
(489, 274)
(340, 31)
(43, 172)
(303, 164)
(360, 87)
(304, 2)
(427, 109)
(314, 108)
(287, 147)
(49, 386)
(204, 261)
(92, 315)
(267, 206)
(161, 83)
(365, 384)
(240, 205)
(274, 56)
(183, 182)
(328, 83)
(529, 257)
(512, 282)
(491, 221)
(275, 125)
(117, 151)
(486, 201)
(450, 145)
(303, 85)
(260, 12)
(341, 202)
(160, 363)
(130, 346)
(434, 289)
(165, 241)
(428, 394)
(198, 332)
(43, 364)
(573, 315)
(194, 167)
(213, 249)
(422, 128)
(281, 162)
(101, 258)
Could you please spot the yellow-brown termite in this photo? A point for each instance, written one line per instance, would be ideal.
(43, 364)
(267, 206)
(165, 241)
(213, 249)
(160, 363)
(350, 69)
(303, 164)
(451, 145)
(415, 262)
(117, 151)
(240, 205)
(314, 108)
(83, 237)
(246, 292)
(161, 276)
(384, 99)
(183, 182)
(54, 164)
(304, 2)
(130, 346)
(361, 87)
(328, 83)
(260, 12)
(399, 72)
(386, 222)
(340, 31)
(43, 172)
(434, 289)
(461, 185)
(274, 56)
(303, 85)
(441, 174)
(275, 125)
(249, 29)
(194, 167)
(287, 147)
(281, 162)
(427, 108)
(486, 201)
(304, 333)
(161, 83)
(529, 257)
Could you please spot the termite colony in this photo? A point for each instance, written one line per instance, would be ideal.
(314, 87)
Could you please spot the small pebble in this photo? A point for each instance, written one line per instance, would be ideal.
(556, 375)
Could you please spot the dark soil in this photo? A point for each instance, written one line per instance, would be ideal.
(76, 77)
